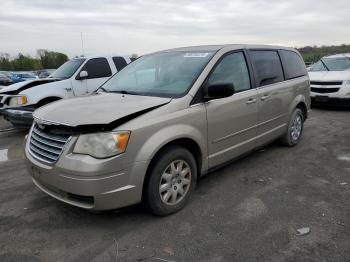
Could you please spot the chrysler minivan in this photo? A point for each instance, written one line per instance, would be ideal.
(164, 120)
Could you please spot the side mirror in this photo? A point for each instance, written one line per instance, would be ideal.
(83, 75)
(219, 90)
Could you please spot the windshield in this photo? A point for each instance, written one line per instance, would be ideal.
(67, 69)
(169, 74)
(331, 64)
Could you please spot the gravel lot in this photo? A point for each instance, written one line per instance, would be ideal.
(247, 211)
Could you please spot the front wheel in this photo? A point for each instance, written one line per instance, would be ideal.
(172, 180)
(295, 128)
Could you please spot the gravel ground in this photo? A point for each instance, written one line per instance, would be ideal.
(247, 211)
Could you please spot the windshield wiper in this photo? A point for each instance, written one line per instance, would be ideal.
(324, 65)
(124, 92)
(102, 88)
(346, 56)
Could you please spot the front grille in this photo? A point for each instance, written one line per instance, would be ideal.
(324, 90)
(326, 83)
(46, 146)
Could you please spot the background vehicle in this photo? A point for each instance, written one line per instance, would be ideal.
(45, 73)
(22, 76)
(164, 120)
(77, 77)
(5, 80)
(330, 80)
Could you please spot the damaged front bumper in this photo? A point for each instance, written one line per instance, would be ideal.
(19, 117)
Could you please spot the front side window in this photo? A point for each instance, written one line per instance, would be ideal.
(67, 69)
(331, 64)
(267, 67)
(294, 66)
(232, 69)
(168, 74)
(97, 68)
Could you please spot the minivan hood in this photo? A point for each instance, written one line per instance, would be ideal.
(98, 109)
(329, 76)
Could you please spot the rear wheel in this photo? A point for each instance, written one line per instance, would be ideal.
(172, 180)
(295, 128)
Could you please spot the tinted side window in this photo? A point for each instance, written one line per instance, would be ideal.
(293, 65)
(232, 69)
(267, 67)
(119, 62)
(97, 67)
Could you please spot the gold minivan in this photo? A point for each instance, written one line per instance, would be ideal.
(167, 118)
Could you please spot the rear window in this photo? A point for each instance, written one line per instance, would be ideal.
(267, 67)
(293, 65)
(119, 62)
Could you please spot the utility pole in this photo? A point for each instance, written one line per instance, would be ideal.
(82, 43)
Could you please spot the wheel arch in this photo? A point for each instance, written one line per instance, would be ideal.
(47, 100)
(188, 143)
(299, 102)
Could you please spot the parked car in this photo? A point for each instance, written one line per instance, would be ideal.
(22, 76)
(330, 80)
(164, 120)
(5, 80)
(45, 73)
(77, 77)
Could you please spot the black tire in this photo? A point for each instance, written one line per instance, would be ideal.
(288, 139)
(152, 195)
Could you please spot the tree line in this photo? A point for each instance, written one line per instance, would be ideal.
(312, 54)
(44, 60)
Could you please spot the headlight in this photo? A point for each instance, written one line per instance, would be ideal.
(18, 101)
(346, 83)
(102, 145)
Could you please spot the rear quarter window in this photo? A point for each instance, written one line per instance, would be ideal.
(119, 62)
(267, 67)
(293, 64)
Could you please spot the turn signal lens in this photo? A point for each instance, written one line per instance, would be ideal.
(122, 141)
(23, 100)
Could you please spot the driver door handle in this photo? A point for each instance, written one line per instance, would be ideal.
(68, 89)
(251, 101)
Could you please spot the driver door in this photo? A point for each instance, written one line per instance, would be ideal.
(98, 70)
(232, 121)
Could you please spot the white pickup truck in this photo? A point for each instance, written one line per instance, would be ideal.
(77, 77)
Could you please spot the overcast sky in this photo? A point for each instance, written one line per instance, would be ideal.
(139, 26)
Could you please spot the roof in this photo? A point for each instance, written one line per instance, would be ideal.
(101, 55)
(338, 55)
(215, 48)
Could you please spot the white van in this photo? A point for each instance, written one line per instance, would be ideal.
(77, 77)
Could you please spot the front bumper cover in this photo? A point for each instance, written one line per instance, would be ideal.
(331, 101)
(20, 117)
(97, 185)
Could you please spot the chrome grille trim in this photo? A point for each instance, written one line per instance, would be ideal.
(46, 147)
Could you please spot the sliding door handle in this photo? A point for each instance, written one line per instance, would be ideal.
(251, 101)
(264, 97)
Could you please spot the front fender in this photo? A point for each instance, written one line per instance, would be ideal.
(168, 134)
(40, 92)
(162, 137)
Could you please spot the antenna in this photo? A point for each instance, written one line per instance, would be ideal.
(82, 43)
